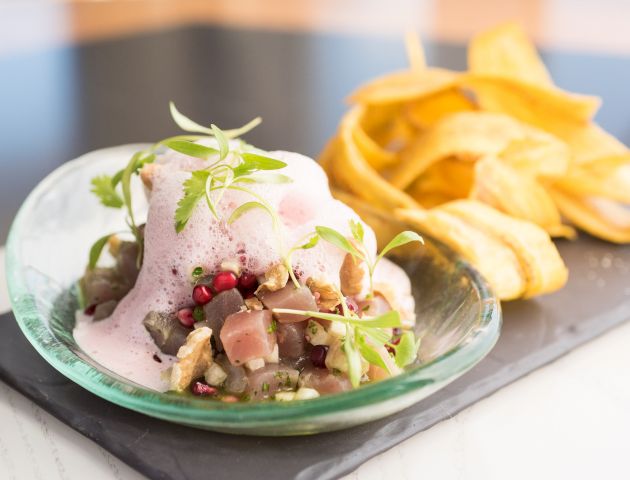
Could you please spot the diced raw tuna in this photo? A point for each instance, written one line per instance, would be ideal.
(291, 341)
(223, 305)
(100, 285)
(289, 297)
(236, 381)
(248, 335)
(266, 381)
(127, 262)
(324, 381)
(166, 331)
(375, 306)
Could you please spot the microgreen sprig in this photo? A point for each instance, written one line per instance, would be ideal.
(358, 250)
(367, 337)
(115, 191)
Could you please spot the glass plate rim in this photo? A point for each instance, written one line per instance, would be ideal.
(193, 410)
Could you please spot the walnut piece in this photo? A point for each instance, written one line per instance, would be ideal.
(253, 304)
(146, 175)
(328, 295)
(195, 357)
(351, 275)
(275, 278)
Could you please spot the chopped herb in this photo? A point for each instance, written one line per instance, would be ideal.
(198, 314)
(265, 387)
(197, 272)
(273, 326)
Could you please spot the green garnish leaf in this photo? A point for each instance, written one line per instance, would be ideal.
(186, 123)
(353, 357)
(271, 178)
(96, 250)
(253, 162)
(194, 191)
(125, 181)
(338, 240)
(376, 334)
(191, 149)
(104, 188)
(407, 349)
(357, 230)
(224, 147)
(197, 272)
(238, 132)
(389, 319)
(399, 240)
(313, 241)
(244, 208)
(368, 352)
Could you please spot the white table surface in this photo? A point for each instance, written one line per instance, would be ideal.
(570, 419)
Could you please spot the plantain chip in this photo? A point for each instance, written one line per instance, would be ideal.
(373, 153)
(427, 111)
(451, 177)
(549, 109)
(353, 173)
(506, 50)
(404, 86)
(601, 217)
(521, 196)
(496, 261)
(468, 136)
(613, 183)
(544, 270)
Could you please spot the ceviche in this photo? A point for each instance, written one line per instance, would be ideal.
(247, 281)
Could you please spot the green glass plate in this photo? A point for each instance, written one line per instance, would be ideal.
(458, 317)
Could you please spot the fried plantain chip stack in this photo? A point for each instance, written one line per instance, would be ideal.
(494, 161)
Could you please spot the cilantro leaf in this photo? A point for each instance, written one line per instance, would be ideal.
(103, 187)
(194, 190)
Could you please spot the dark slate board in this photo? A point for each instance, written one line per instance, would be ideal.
(115, 92)
(535, 332)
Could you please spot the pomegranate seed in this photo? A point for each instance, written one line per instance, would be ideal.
(203, 390)
(397, 331)
(318, 356)
(224, 281)
(201, 294)
(229, 399)
(390, 350)
(156, 358)
(248, 281)
(89, 310)
(185, 317)
(395, 341)
(351, 304)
